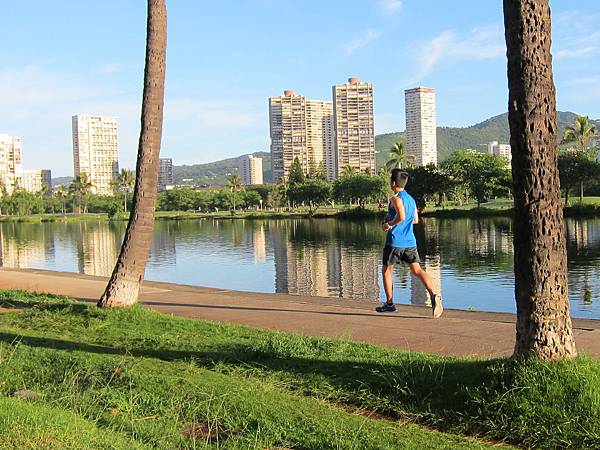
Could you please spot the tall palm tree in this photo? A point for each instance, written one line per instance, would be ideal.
(125, 182)
(399, 158)
(234, 184)
(81, 188)
(61, 193)
(348, 171)
(124, 284)
(581, 133)
(543, 328)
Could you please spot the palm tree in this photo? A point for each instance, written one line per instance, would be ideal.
(61, 193)
(124, 284)
(581, 133)
(81, 188)
(540, 263)
(348, 171)
(234, 183)
(399, 158)
(125, 182)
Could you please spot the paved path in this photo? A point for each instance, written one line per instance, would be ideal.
(458, 333)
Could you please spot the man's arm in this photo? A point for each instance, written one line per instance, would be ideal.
(416, 217)
(400, 214)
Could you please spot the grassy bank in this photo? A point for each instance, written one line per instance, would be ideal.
(171, 382)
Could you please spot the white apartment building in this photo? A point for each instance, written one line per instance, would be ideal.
(36, 180)
(319, 136)
(354, 135)
(165, 173)
(421, 132)
(12, 175)
(302, 129)
(95, 151)
(502, 150)
(250, 170)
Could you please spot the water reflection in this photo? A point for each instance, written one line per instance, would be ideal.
(469, 260)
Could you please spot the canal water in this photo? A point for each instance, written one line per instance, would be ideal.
(469, 260)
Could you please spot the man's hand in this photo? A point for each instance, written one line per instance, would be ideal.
(385, 227)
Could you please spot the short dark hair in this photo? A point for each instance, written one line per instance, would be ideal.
(399, 177)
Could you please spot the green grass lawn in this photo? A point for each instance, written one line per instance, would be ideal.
(134, 378)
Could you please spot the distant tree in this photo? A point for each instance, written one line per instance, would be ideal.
(580, 134)
(319, 173)
(399, 158)
(251, 198)
(125, 183)
(313, 192)
(61, 193)
(348, 171)
(22, 203)
(359, 187)
(81, 189)
(427, 182)
(234, 184)
(483, 174)
(577, 168)
(296, 174)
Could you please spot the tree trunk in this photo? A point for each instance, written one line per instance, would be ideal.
(581, 192)
(567, 196)
(124, 285)
(543, 322)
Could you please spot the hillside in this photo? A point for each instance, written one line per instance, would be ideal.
(216, 173)
(450, 139)
(475, 137)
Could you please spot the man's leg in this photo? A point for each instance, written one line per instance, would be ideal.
(436, 300)
(388, 282)
(422, 275)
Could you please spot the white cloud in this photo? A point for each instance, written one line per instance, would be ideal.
(37, 105)
(108, 69)
(390, 7)
(575, 34)
(364, 39)
(480, 43)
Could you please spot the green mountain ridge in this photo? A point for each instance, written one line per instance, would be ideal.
(449, 140)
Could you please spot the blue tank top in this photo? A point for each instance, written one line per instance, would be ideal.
(401, 235)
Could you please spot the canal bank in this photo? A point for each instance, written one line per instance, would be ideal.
(457, 333)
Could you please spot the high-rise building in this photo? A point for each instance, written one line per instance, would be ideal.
(319, 136)
(165, 173)
(12, 175)
(95, 151)
(250, 169)
(302, 129)
(354, 134)
(37, 180)
(502, 150)
(421, 137)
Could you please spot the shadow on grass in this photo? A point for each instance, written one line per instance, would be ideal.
(423, 389)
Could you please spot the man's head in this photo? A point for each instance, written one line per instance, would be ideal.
(398, 179)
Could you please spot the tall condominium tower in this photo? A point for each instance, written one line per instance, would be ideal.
(95, 151)
(354, 126)
(10, 154)
(421, 138)
(12, 175)
(165, 173)
(319, 136)
(250, 169)
(302, 129)
(502, 150)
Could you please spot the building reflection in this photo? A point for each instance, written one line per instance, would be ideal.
(163, 250)
(418, 293)
(23, 245)
(98, 247)
(259, 244)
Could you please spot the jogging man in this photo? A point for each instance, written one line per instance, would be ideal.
(401, 244)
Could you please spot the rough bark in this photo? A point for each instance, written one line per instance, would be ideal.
(124, 285)
(543, 327)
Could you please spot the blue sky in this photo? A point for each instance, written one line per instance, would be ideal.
(225, 58)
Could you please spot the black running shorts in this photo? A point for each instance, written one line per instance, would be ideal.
(393, 255)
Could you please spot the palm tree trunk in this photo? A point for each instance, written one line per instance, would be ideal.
(124, 285)
(543, 321)
(581, 192)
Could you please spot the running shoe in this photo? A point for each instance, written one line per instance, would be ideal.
(436, 305)
(386, 307)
